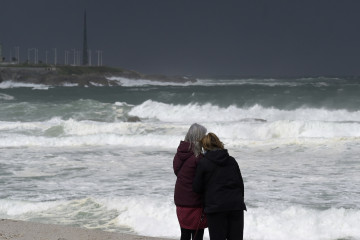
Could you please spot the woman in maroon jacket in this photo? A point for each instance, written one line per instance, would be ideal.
(189, 208)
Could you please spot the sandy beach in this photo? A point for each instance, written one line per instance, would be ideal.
(21, 230)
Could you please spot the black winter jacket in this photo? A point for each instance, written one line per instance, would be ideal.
(219, 178)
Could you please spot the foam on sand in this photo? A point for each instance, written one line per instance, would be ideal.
(156, 217)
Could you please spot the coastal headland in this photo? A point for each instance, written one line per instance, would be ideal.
(80, 75)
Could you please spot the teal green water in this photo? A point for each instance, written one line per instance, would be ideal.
(101, 157)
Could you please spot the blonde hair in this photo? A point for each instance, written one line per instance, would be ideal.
(211, 142)
(195, 133)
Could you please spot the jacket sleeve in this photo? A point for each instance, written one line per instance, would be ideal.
(198, 183)
(241, 179)
(242, 184)
(176, 164)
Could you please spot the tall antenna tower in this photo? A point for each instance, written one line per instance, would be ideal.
(1, 57)
(85, 47)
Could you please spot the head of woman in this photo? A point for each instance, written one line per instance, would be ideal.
(195, 133)
(211, 142)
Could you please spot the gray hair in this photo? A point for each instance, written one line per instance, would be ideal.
(195, 133)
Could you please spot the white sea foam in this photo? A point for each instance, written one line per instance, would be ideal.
(121, 104)
(166, 122)
(70, 84)
(11, 84)
(126, 82)
(146, 216)
(291, 223)
(300, 223)
(151, 215)
(88, 133)
(13, 208)
(271, 82)
(6, 97)
(96, 84)
(237, 82)
(212, 113)
(92, 140)
(84, 133)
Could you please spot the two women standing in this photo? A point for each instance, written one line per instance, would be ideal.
(217, 177)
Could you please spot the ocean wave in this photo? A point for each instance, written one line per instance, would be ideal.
(270, 82)
(301, 223)
(9, 208)
(70, 84)
(122, 104)
(212, 113)
(155, 124)
(207, 82)
(6, 97)
(61, 133)
(34, 86)
(11, 84)
(149, 216)
(126, 82)
(318, 82)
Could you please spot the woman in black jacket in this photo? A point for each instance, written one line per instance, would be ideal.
(218, 177)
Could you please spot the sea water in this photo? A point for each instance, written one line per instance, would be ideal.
(101, 157)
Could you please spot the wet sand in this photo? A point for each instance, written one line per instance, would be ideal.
(21, 230)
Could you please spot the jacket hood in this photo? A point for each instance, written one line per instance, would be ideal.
(184, 151)
(219, 157)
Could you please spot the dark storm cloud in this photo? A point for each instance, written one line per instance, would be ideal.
(194, 37)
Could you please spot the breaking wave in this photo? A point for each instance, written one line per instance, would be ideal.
(11, 84)
(150, 216)
(6, 97)
(59, 133)
(126, 82)
(212, 113)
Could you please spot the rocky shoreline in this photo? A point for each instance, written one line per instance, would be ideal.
(82, 76)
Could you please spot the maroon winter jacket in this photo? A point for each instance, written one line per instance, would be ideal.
(184, 165)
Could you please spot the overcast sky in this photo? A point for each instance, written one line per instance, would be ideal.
(193, 37)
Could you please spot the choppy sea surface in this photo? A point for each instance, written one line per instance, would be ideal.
(77, 156)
